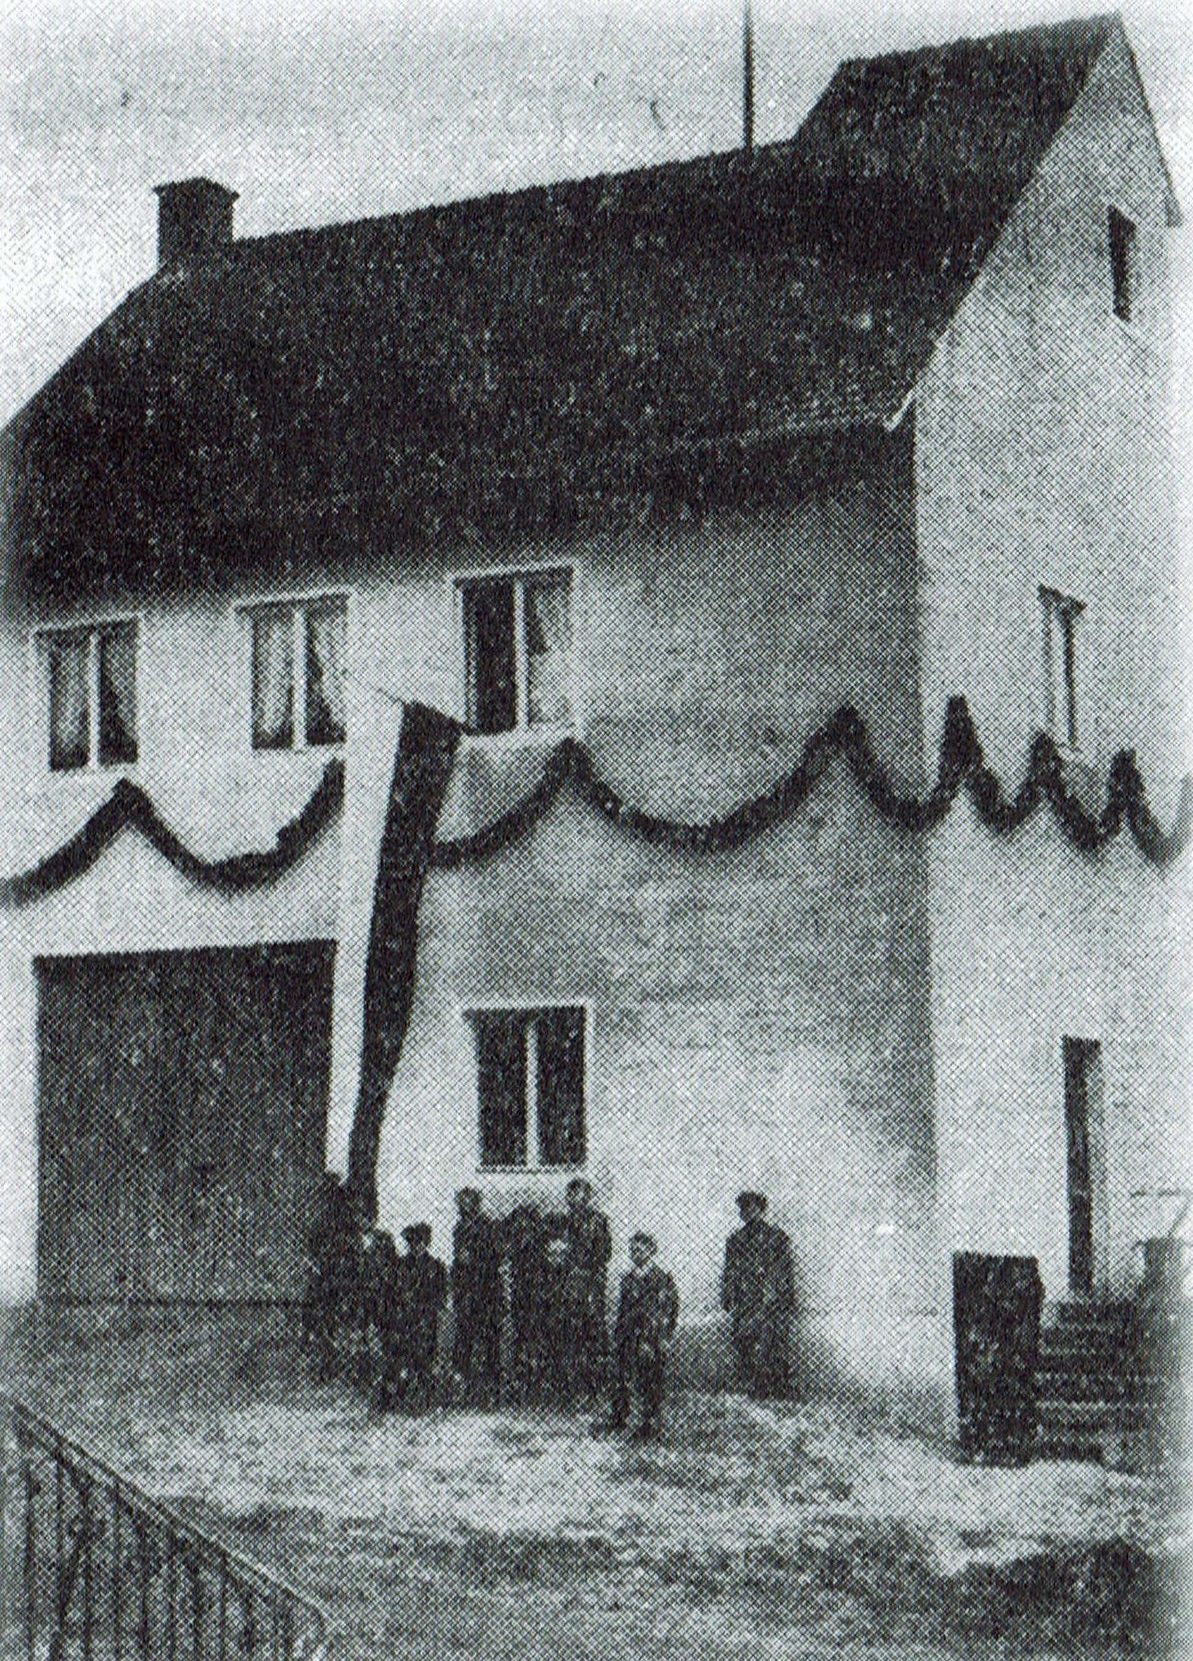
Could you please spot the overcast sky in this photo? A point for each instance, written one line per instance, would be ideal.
(317, 112)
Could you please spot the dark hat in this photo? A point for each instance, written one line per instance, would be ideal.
(417, 1234)
(751, 1197)
(469, 1194)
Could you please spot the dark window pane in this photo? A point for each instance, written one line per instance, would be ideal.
(489, 638)
(273, 679)
(70, 702)
(548, 649)
(561, 1086)
(1123, 266)
(118, 694)
(501, 1087)
(326, 634)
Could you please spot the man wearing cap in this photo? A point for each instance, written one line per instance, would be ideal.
(478, 1299)
(758, 1290)
(585, 1292)
(523, 1238)
(330, 1259)
(380, 1315)
(422, 1287)
(646, 1317)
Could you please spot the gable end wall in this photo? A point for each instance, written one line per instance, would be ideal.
(1043, 458)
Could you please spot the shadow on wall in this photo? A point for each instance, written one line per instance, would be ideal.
(703, 1359)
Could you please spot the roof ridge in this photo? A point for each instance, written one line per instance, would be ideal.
(490, 198)
(1093, 22)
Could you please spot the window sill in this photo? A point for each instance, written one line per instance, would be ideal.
(94, 770)
(318, 751)
(528, 1170)
(522, 738)
(1138, 337)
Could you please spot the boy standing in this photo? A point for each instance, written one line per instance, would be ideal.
(646, 1318)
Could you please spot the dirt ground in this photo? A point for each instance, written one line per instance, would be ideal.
(749, 1532)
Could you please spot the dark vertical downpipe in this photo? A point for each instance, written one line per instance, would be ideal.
(747, 112)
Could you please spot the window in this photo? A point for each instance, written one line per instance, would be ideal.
(298, 673)
(1062, 615)
(517, 650)
(1124, 264)
(92, 682)
(530, 1087)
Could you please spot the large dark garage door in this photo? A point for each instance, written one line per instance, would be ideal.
(182, 1122)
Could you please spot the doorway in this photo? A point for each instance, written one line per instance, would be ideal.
(1086, 1144)
(182, 1122)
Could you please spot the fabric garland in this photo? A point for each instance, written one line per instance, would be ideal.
(961, 766)
(426, 748)
(131, 808)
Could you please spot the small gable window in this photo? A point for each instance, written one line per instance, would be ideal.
(517, 650)
(1124, 264)
(298, 649)
(1062, 616)
(91, 676)
(530, 1087)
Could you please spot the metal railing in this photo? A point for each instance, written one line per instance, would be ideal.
(90, 1566)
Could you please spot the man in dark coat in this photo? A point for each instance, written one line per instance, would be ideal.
(379, 1322)
(555, 1364)
(646, 1317)
(478, 1299)
(523, 1240)
(421, 1287)
(758, 1290)
(585, 1289)
(330, 1260)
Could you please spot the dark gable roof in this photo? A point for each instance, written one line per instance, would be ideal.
(557, 331)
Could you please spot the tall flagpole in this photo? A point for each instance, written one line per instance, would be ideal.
(747, 111)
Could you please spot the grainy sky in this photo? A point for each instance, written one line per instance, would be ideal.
(322, 111)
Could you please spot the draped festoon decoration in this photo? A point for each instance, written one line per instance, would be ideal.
(131, 808)
(961, 766)
(426, 747)
(422, 769)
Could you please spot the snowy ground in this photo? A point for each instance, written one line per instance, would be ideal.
(748, 1533)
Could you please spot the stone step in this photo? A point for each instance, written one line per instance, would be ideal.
(1057, 1415)
(1077, 1342)
(1076, 1384)
(1087, 1449)
(1076, 1313)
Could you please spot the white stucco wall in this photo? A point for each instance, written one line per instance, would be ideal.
(1043, 457)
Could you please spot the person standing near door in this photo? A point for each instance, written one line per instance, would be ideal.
(478, 1300)
(421, 1288)
(585, 1291)
(330, 1259)
(758, 1291)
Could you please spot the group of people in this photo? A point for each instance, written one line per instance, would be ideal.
(528, 1294)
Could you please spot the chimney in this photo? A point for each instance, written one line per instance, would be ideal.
(194, 217)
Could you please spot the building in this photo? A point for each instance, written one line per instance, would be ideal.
(677, 464)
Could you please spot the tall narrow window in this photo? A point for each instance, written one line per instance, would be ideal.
(517, 650)
(92, 686)
(298, 671)
(1124, 264)
(530, 1087)
(1062, 616)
